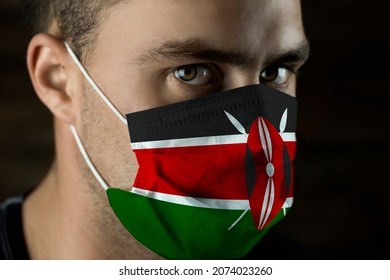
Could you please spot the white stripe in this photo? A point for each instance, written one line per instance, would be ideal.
(270, 204)
(288, 203)
(202, 141)
(289, 137)
(268, 137)
(265, 201)
(262, 139)
(227, 204)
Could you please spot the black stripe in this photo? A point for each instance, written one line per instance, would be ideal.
(287, 169)
(205, 116)
(250, 171)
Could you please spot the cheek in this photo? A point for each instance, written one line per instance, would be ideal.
(142, 90)
(152, 88)
(107, 142)
(291, 89)
(132, 90)
(129, 87)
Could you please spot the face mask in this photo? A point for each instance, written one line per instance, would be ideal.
(215, 173)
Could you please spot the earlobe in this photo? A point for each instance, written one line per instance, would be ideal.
(47, 62)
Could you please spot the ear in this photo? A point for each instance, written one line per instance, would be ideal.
(50, 72)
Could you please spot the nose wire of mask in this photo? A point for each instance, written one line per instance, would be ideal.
(79, 143)
(93, 84)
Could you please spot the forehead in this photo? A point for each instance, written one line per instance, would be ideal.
(253, 26)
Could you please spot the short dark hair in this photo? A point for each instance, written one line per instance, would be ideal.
(78, 20)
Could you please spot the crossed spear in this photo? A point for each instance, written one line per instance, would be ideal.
(266, 144)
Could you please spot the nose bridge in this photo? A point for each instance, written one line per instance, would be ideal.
(239, 77)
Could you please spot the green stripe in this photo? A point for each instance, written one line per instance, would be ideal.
(176, 231)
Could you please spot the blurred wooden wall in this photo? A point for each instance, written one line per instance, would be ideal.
(26, 142)
(342, 187)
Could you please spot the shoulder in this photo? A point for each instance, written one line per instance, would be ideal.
(12, 242)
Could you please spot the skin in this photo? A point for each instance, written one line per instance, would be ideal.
(137, 60)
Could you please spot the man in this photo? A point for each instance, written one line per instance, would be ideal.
(96, 64)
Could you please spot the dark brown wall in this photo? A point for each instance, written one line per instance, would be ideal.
(25, 125)
(343, 167)
(342, 188)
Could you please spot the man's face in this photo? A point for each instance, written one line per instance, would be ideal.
(153, 53)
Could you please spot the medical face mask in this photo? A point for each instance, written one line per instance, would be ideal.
(215, 173)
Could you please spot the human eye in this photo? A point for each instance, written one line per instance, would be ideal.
(196, 74)
(276, 76)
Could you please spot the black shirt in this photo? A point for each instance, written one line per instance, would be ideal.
(12, 243)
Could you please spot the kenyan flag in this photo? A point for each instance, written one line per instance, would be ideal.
(214, 173)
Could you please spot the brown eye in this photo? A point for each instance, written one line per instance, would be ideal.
(275, 75)
(186, 73)
(194, 74)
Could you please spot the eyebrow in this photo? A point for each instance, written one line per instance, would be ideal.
(298, 54)
(190, 49)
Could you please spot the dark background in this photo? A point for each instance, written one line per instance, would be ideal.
(342, 191)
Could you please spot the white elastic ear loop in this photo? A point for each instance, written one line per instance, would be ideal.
(88, 160)
(93, 84)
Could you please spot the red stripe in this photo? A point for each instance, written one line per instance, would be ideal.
(196, 171)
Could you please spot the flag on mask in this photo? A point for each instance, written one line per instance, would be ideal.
(219, 166)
